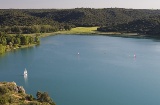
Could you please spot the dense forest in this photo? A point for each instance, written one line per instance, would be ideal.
(150, 27)
(50, 20)
(27, 21)
(9, 42)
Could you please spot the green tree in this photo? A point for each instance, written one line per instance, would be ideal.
(7, 30)
(38, 95)
(67, 27)
(17, 41)
(43, 29)
(37, 40)
(13, 39)
(3, 41)
(3, 100)
(30, 97)
(44, 97)
(2, 49)
(16, 29)
(24, 40)
(31, 40)
(3, 90)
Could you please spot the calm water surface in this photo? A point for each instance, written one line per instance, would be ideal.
(105, 72)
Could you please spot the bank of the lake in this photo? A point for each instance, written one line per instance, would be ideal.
(79, 31)
(83, 31)
(89, 31)
(104, 72)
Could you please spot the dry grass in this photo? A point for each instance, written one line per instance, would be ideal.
(80, 30)
(84, 30)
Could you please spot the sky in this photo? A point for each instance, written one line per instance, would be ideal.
(66, 4)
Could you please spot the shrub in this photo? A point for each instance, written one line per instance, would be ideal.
(30, 97)
(11, 100)
(44, 97)
(3, 100)
(34, 103)
(3, 90)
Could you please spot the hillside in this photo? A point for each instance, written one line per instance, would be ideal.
(77, 16)
(11, 94)
(93, 17)
(51, 20)
(150, 26)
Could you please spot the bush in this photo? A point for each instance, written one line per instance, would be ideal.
(3, 90)
(11, 100)
(34, 103)
(3, 100)
(44, 97)
(22, 99)
(30, 97)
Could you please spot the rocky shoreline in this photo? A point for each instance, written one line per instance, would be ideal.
(12, 94)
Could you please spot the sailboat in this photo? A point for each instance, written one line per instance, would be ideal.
(25, 72)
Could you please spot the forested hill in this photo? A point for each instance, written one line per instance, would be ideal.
(149, 26)
(94, 17)
(78, 16)
(68, 18)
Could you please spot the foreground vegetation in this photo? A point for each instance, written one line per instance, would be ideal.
(11, 94)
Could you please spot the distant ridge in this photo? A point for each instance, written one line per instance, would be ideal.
(77, 16)
(80, 17)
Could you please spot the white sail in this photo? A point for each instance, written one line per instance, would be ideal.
(25, 72)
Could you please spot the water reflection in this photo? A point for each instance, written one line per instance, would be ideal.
(78, 55)
(26, 79)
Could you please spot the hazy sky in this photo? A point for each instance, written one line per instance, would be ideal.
(136, 4)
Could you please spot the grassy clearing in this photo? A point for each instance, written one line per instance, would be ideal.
(92, 30)
(79, 30)
(83, 30)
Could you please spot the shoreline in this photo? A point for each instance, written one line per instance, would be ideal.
(91, 31)
(95, 33)
(78, 31)
(25, 46)
(84, 31)
(20, 47)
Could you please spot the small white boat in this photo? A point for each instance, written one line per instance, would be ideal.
(25, 72)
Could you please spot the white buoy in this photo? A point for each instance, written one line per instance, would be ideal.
(78, 53)
(134, 55)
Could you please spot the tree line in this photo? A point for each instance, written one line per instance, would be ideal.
(8, 42)
(33, 29)
(77, 16)
(51, 20)
(149, 26)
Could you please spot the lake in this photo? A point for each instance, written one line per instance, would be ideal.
(88, 70)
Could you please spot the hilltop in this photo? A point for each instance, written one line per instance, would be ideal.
(11, 94)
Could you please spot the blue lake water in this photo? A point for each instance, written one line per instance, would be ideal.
(105, 72)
